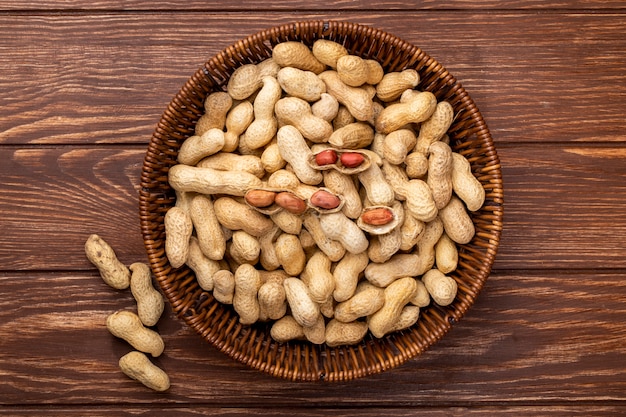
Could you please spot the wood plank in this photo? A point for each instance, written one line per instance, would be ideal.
(599, 410)
(558, 199)
(103, 78)
(533, 339)
(281, 5)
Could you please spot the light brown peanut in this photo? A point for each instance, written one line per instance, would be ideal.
(127, 326)
(366, 300)
(338, 333)
(347, 273)
(216, 106)
(397, 296)
(456, 222)
(245, 300)
(441, 287)
(297, 55)
(304, 310)
(290, 254)
(137, 366)
(465, 184)
(396, 115)
(195, 148)
(178, 229)
(440, 173)
(113, 272)
(150, 303)
(305, 85)
(208, 229)
(393, 84)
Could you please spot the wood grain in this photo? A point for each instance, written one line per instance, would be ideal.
(558, 199)
(104, 78)
(286, 5)
(82, 88)
(509, 350)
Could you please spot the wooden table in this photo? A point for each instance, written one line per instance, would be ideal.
(82, 86)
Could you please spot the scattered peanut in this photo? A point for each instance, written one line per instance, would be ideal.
(150, 303)
(101, 255)
(128, 326)
(137, 366)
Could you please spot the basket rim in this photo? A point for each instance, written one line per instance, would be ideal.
(306, 362)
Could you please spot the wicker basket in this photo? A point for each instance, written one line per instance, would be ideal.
(252, 345)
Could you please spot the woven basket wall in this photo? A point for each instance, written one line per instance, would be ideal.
(252, 345)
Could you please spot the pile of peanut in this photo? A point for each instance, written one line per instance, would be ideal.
(320, 194)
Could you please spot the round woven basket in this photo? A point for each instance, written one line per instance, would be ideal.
(252, 345)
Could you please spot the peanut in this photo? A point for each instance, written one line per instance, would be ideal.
(377, 216)
(291, 202)
(357, 100)
(224, 286)
(352, 136)
(290, 254)
(338, 227)
(435, 126)
(305, 85)
(137, 366)
(341, 184)
(440, 173)
(325, 200)
(208, 229)
(239, 216)
(211, 181)
(288, 222)
(231, 162)
(326, 157)
(244, 82)
(441, 288)
(245, 300)
(328, 52)
(331, 247)
(271, 160)
(127, 326)
(398, 266)
(260, 198)
(338, 333)
(352, 70)
(366, 300)
(393, 84)
(296, 55)
(318, 278)
(316, 334)
(407, 318)
(263, 128)
(286, 329)
(304, 310)
(351, 159)
(216, 106)
(202, 266)
(295, 151)
(195, 148)
(245, 248)
(238, 120)
(272, 300)
(425, 249)
(178, 229)
(396, 115)
(113, 272)
(346, 274)
(397, 296)
(150, 303)
(397, 144)
(465, 184)
(446, 254)
(456, 222)
(297, 112)
(327, 107)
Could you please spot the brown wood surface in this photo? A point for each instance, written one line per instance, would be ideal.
(82, 86)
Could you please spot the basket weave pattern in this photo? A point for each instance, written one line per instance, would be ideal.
(252, 345)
